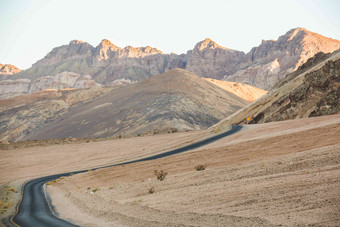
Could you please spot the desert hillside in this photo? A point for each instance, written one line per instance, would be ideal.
(244, 91)
(282, 173)
(23, 114)
(313, 90)
(174, 101)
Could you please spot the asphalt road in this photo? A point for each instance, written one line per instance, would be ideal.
(34, 208)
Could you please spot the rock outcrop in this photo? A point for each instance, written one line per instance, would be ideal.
(64, 80)
(7, 69)
(11, 88)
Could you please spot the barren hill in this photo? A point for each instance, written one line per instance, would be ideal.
(312, 90)
(174, 101)
(26, 113)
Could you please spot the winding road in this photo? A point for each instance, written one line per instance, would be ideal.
(34, 209)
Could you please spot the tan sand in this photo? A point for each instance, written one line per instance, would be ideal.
(32, 162)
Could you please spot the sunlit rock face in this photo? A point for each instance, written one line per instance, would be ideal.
(7, 69)
(244, 91)
(266, 64)
(12, 88)
(208, 59)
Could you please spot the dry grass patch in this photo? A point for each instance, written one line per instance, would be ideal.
(160, 174)
(200, 167)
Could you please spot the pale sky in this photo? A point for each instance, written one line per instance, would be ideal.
(29, 29)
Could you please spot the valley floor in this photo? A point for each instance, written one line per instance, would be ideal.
(282, 173)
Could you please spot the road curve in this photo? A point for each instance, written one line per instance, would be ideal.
(34, 209)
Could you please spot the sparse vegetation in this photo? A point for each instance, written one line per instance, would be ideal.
(160, 174)
(12, 190)
(95, 189)
(151, 190)
(200, 167)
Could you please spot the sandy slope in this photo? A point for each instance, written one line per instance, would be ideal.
(244, 91)
(282, 173)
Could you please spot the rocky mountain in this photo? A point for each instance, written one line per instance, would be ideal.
(312, 90)
(266, 64)
(177, 100)
(106, 63)
(208, 59)
(7, 69)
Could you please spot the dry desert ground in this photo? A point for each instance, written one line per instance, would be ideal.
(274, 174)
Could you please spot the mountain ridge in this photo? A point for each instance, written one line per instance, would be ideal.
(262, 66)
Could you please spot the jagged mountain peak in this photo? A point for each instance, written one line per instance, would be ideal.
(299, 34)
(76, 42)
(207, 43)
(6, 69)
(130, 51)
(106, 43)
(105, 50)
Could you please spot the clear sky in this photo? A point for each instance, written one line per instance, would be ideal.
(29, 29)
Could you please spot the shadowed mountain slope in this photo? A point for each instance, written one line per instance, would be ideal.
(312, 90)
(173, 101)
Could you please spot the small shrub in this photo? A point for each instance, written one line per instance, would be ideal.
(95, 189)
(200, 167)
(160, 174)
(151, 190)
(12, 190)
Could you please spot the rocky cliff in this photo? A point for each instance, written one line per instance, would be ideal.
(8, 69)
(64, 80)
(106, 63)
